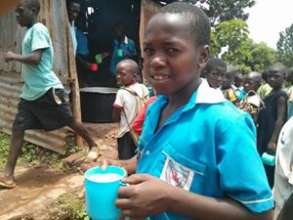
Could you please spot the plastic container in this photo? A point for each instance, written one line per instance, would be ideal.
(268, 159)
(99, 58)
(101, 189)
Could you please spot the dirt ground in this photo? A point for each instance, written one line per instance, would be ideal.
(37, 187)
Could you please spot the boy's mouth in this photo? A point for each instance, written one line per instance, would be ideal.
(160, 77)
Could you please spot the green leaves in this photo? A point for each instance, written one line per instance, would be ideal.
(285, 46)
(230, 40)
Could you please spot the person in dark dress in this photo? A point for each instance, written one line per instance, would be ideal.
(273, 116)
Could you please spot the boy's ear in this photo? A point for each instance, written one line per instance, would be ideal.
(204, 56)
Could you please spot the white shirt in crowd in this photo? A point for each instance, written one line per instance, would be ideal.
(128, 101)
(284, 166)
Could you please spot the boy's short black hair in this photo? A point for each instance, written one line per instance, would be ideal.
(75, 2)
(215, 64)
(199, 23)
(33, 4)
(132, 63)
(277, 67)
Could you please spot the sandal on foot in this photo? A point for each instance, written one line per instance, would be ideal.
(6, 183)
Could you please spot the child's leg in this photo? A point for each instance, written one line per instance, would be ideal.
(83, 132)
(14, 151)
(24, 120)
(126, 147)
(7, 180)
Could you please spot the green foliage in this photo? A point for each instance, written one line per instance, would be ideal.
(240, 51)
(232, 35)
(4, 145)
(30, 154)
(262, 56)
(71, 206)
(223, 10)
(285, 46)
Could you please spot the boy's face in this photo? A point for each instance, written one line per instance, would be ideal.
(238, 81)
(275, 79)
(73, 12)
(227, 81)
(290, 77)
(171, 60)
(24, 14)
(124, 74)
(215, 78)
(251, 84)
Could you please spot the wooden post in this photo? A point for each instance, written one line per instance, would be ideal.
(73, 83)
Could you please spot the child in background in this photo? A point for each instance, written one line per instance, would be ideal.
(125, 107)
(123, 47)
(238, 86)
(43, 103)
(252, 102)
(238, 80)
(137, 123)
(227, 87)
(290, 92)
(273, 116)
(189, 163)
(265, 89)
(214, 72)
(283, 187)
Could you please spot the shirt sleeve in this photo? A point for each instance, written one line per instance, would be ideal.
(40, 39)
(119, 100)
(242, 175)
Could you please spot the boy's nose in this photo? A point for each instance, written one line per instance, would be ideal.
(158, 61)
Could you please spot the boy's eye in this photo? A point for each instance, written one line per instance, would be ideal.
(19, 11)
(172, 51)
(148, 51)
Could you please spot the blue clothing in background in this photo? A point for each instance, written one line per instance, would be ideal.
(206, 147)
(82, 43)
(121, 50)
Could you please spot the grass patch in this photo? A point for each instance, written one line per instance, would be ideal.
(70, 207)
(32, 154)
(4, 145)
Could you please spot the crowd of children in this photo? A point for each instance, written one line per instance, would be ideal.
(199, 154)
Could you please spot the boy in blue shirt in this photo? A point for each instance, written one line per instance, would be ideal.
(197, 157)
(43, 103)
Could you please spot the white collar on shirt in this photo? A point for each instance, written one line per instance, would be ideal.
(208, 95)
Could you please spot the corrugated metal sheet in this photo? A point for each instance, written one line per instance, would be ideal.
(53, 15)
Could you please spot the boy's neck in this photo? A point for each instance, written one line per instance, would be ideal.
(277, 89)
(32, 23)
(130, 84)
(183, 96)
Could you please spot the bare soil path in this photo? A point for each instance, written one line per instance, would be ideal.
(39, 186)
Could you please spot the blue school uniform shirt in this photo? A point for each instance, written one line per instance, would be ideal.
(206, 147)
(82, 43)
(38, 79)
(127, 48)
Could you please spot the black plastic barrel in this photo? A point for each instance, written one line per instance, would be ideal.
(96, 104)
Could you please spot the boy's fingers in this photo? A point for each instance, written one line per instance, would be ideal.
(123, 203)
(125, 192)
(136, 178)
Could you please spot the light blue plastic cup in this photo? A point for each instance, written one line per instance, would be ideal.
(101, 194)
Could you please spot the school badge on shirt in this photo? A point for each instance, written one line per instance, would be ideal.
(176, 174)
